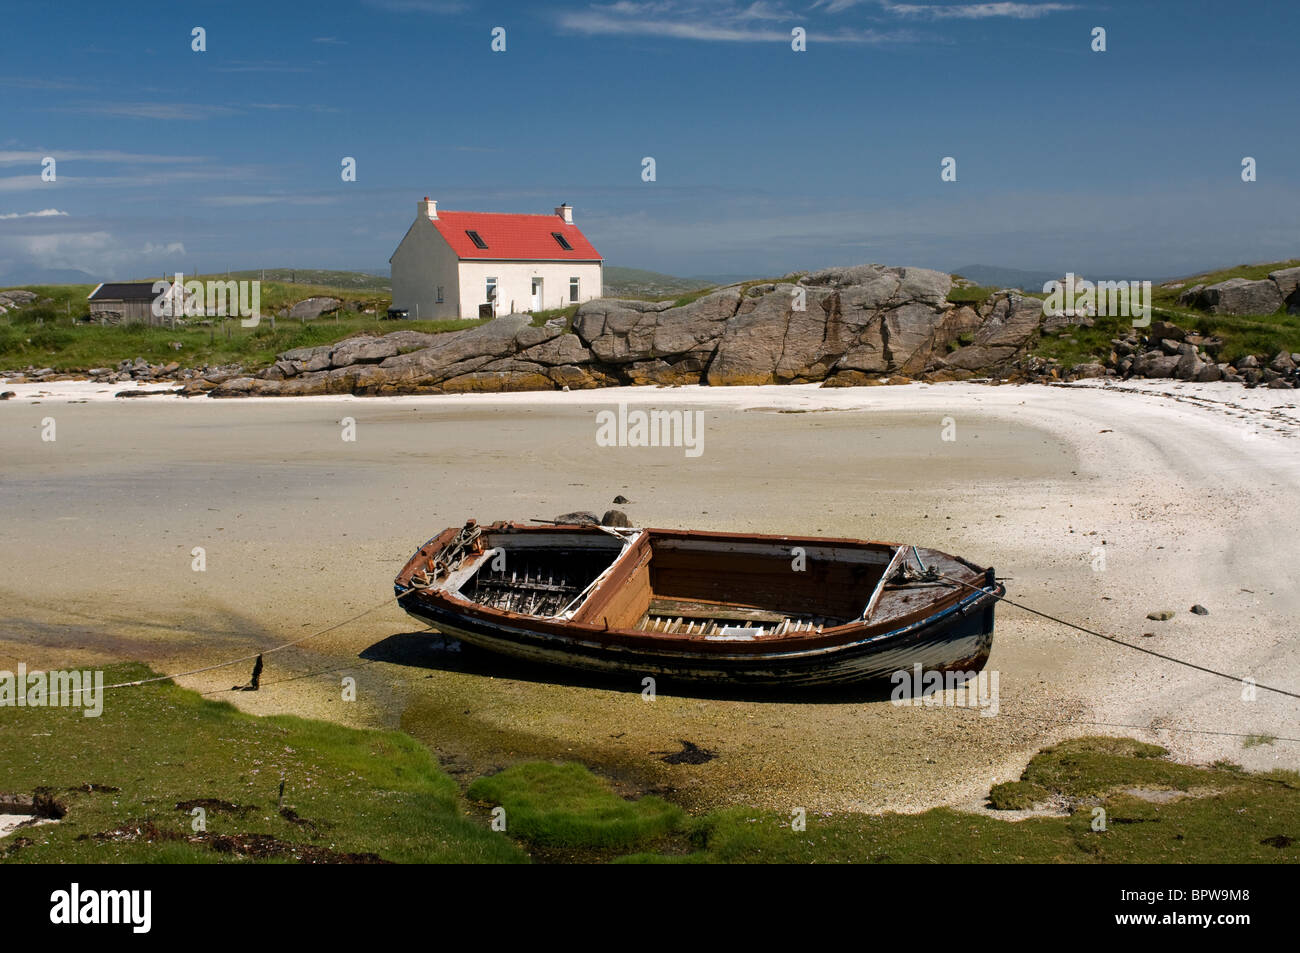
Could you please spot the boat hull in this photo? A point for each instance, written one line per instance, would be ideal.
(957, 639)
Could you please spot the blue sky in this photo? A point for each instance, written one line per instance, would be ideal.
(1125, 163)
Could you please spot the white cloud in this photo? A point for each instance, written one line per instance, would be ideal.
(43, 213)
(96, 155)
(694, 20)
(164, 111)
(976, 11)
(952, 11)
(97, 252)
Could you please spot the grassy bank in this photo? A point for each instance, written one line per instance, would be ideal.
(131, 780)
(1154, 811)
(1241, 334)
(45, 334)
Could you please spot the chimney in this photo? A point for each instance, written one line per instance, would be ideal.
(565, 212)
(429, 208)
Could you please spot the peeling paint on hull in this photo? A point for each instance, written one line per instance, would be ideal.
(957, 640)
(671, 603)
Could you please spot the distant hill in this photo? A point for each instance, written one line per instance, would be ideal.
(715, 280)
(48, 276)
(991, 276)
(358, 280)
(637, 283)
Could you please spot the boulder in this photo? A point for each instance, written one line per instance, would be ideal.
(310, 308)
(579, 517)
(618, 334)
(615, 518)
(979, 357)
(1282, 363)
(1162, 330)
(362, 350)
(1163, 365)
(1208, 373)
(1189, 366)
(1241, 296)
(1287, 280)
(1015, 319)
(880, 286)
(563, 349)
(308, 359)
(17, 298)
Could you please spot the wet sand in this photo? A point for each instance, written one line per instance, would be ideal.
(303, 530)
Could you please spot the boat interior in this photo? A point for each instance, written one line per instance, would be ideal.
(711, 586)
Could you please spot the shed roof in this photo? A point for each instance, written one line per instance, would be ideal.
(124, 291)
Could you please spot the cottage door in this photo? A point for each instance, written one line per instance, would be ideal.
(537, 294)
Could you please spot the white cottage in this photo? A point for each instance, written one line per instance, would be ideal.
(453, 264)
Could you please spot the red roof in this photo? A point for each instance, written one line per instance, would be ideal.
(511, 237)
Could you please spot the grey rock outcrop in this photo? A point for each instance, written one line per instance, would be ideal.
(312, 308)
(859, 325)
(1244, 296)
(840, 326)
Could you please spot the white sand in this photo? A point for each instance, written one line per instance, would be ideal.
(1192, 487)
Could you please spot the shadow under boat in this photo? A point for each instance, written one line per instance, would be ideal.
(433, 650)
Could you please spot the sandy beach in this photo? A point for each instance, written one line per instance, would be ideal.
(1188, 490)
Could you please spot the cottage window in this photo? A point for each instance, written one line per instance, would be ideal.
(439, 294)
(476, 238)
(573, 289)
(491, 290)
(564, 242)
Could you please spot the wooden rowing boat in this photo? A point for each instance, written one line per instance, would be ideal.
(712, 607)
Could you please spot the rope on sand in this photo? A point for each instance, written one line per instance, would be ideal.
(236, 661)
(1110, 638)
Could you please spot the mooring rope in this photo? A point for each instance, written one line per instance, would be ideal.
(234, 661)
(1101, 635)
(1110, 638)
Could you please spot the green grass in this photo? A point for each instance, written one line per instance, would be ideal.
(541, 317)
(126, 777)
(354, 281)
(565, 805)
(43, 334)
(359, 792)
(1017, 795)
(1216, 815)
(1156, 810)
(975, 294)
(1251, 272)
(650, 285)
(1241, 334)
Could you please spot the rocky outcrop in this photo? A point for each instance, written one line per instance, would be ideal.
(840, 326)
(312, 308)
(1244, 296)
(1168, 351)
(18, 298)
